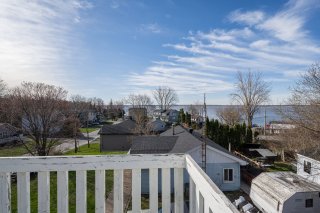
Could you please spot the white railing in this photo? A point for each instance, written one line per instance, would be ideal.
(205, 196)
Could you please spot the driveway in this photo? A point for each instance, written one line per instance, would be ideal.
(68, 143)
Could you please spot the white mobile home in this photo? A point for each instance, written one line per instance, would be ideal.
(286, 192)
(308, 167)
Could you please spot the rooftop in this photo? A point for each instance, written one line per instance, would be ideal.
(264, 152)
(185, 141)
(7, 128)
(283, 185)
(127, 127)
(152, 144)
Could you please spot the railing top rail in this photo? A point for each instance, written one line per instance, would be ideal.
(211, 193)
(104, 162)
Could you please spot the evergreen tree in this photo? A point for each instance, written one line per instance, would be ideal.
(207, 127)
(182, 116)
(188, 119)
(249, 135)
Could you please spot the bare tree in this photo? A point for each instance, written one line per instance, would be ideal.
(229, 115)
(97, 104)
(3, 88)
(304, 112)
(141, 106)
(41, 106)
(165, 97)
(139, 101)
(195, 110)
(79, 111)
(251, 92)
(8, 110)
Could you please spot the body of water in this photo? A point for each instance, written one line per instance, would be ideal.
(270, 110)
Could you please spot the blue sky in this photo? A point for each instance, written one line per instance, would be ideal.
(111, 48)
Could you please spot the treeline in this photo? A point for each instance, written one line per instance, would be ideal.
(224, 134)
(184, 117)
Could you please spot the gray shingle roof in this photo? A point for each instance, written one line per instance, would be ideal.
(264, 152)
(9, 129)
(213, 144)
(188, 141)
(185, 142)
(152, 144)
(126, 127)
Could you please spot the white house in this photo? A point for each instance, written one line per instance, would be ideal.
(157, 125)
(286, 192)
(222, 166)
(277, 128)
(308, 167)
(170, 115)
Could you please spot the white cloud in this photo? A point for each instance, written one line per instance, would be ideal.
(37, 40)
(207, 61)
(152, 28)
(248, 18)
(288, 24)
(260, 44)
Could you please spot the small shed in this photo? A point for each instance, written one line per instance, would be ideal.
(274, 192)
(117, 137)
(264, 155)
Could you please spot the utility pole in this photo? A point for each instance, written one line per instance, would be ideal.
(265, 120)
(87, 123)
(204, 144)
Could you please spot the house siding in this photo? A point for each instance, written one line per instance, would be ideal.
(263, 201)
(216, 162)
(315, 168)
(115, 142)
(214, 171)
(296, 203)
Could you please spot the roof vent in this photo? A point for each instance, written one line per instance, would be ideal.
(295, 181)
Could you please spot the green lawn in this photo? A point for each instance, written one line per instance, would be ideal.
(280, 167)
(93, 150)
(90, 129)
(84, 150)
(8, 151)
(17, 150)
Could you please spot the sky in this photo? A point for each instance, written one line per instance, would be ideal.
(112, 48)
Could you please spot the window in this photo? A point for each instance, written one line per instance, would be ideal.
(227, 175)
(309, 203)
(307, 167)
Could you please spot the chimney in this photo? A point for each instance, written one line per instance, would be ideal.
(172, 129)
(229, 147)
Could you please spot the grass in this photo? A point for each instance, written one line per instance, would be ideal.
(280, 167)
(17, 149)
(90, 129)
(84, 150)
(8, 151)
(72, 191)
(93, 150)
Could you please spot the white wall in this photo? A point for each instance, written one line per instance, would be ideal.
(315, 169)
(212, 156)
(296, 203)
